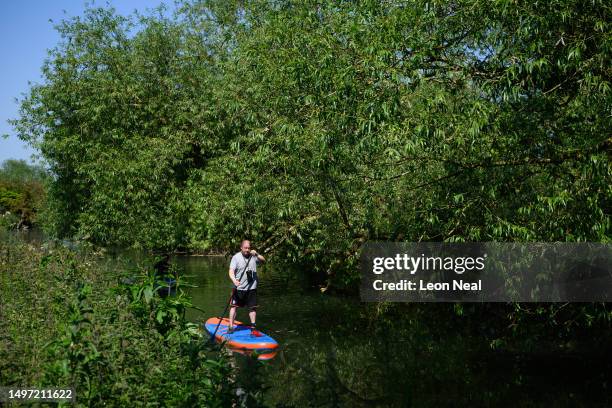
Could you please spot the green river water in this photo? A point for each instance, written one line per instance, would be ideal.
(332, 353)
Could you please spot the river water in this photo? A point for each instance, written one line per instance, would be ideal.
(304, 321)
(333, 352)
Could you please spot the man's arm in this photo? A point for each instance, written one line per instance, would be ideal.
(259, 257)
(232, 275)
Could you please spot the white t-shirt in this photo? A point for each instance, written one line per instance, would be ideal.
(241, 264)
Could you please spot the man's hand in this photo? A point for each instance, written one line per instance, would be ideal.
(232, 276)
(254, 253)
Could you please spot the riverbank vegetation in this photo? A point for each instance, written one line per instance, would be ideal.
(64, 322)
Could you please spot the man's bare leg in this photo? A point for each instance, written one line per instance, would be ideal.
(252, 316)
(232, 316)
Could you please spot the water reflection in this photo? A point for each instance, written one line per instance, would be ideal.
(263, 356)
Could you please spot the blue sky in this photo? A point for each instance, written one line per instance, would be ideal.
(26, 33)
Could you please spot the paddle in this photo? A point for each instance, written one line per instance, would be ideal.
(212, 337)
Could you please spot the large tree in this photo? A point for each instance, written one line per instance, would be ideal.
(313, 126)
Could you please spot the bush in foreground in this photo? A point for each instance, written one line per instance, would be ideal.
(65, 323)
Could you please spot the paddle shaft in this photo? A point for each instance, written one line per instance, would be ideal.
(221, 318)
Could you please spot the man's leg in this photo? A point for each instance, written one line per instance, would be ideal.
(251, 301)
(253, 316)
(252, 304)
(232, 316)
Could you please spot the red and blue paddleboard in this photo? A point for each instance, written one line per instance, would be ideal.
(241, 338)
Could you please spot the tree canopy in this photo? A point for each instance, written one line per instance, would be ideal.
(311, 127)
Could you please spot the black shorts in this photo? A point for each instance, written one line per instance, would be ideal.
(245, 298)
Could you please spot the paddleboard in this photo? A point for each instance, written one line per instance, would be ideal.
(241, 338)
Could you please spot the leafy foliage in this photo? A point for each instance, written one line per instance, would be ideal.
(64, 322)
(22, 193)
(312, 127)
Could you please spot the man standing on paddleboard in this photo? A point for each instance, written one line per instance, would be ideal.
(243, 273)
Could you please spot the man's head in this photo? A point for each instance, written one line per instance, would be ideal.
(245, 247)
